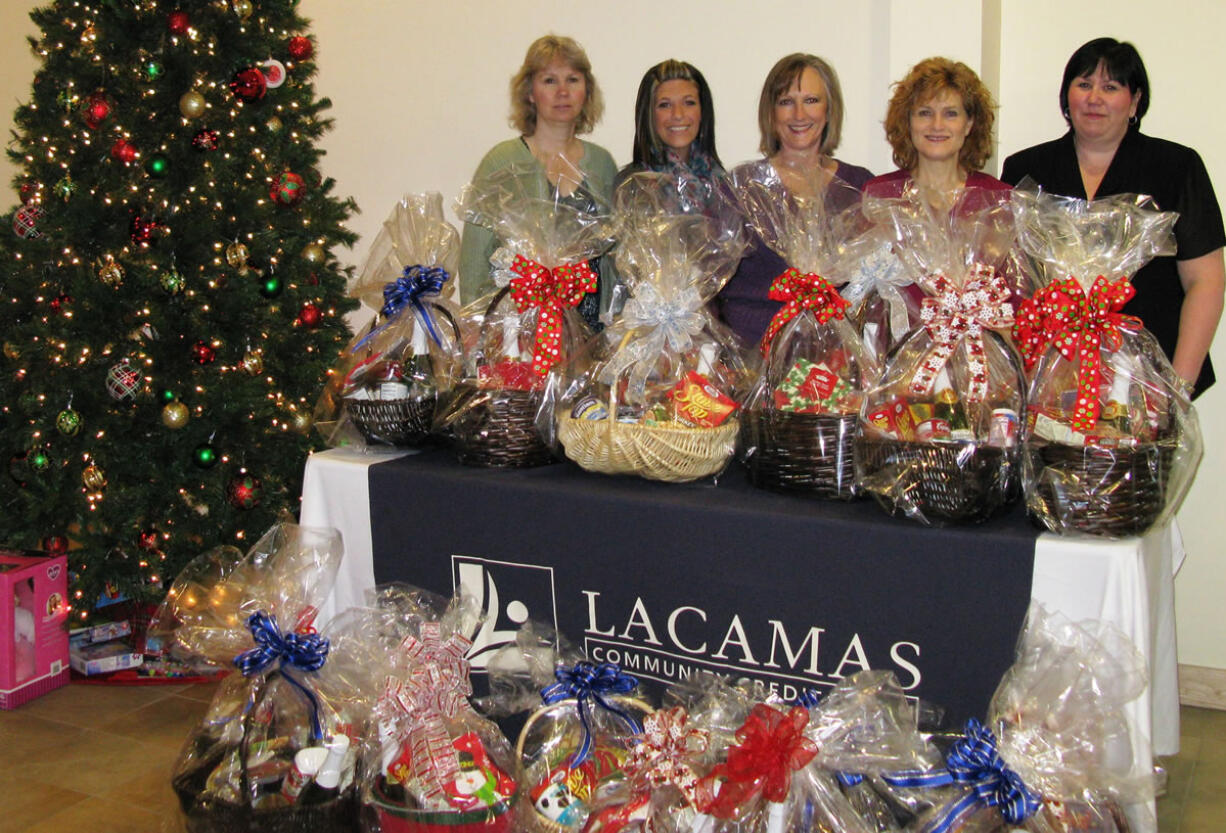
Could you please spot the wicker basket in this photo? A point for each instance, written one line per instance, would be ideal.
(1114, 492)
(812, 453)
(959, 482)
(389, 816)
(399, 422)
(672, 453)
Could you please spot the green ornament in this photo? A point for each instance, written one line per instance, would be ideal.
(172, 281)
(65, 187)
(152, 70)
(204, 456)
(157, 166)
(39, 460)
(69, 422)
(67, 99)
(271, 286)
(167, 396)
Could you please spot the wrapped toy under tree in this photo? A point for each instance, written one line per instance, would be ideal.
(1114, 442)
(656, 393)
(940, 428)
(530, 324)
(388, 385)
(273, 753)
(803, 411)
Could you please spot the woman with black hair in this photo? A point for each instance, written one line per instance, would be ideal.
(674, 123)
(1103, 96)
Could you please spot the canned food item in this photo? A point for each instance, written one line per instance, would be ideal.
(1003, 430)
(932, 429)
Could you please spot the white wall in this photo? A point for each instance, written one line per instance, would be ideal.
(420, 92)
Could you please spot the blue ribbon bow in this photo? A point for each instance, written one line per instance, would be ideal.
(303, 651)
(807, 699)
(975, 762)
(588, 681)
(415, 284)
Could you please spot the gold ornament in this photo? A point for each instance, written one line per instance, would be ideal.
(110, 273)
(191, 104)
(175, 415)
(93, 478)
(253, 362)
(236, 255)
(302, 422)
(243, 9)
(11, 351)
(313, 253)
(273, 124)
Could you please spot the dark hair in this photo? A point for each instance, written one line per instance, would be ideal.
(648, 149)
(926, 80)
(1122, 64)
(785, 73)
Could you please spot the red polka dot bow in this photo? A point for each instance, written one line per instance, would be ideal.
(957, 313)
(801, 291)
(549, 291)
(1079, 325)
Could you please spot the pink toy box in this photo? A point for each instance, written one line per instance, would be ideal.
(33, 636)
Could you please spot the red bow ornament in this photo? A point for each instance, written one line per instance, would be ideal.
(956, 313)
(801, 291)
(1079, 325)
(436, 689)
(771, 745)
(663, 755)
(550, 292)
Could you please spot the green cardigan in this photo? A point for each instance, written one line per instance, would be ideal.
(478, 242)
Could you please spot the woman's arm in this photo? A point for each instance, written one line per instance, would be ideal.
(476, 245)
(1204, 282)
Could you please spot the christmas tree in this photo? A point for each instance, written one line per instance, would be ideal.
(169, 306)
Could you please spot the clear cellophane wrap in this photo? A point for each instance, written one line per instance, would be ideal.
(1114, 442)
(656, 394)
(294, 688)
(1056, 754)
(386, 388)
(430, 758)
(940, 426)
(583, 721)
(801, 414)
(529, 325)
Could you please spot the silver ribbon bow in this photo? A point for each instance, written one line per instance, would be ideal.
(663, 323)
(883, 271)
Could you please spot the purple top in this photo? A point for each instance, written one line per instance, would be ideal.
(743, 303)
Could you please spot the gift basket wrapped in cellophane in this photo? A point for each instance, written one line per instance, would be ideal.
(276, 749)
(802, 413)
(387, 387)
(542, 270)
(656, 393)
(583, 718)
(432, 763)
(1056, 754)
(940, 427)
(1114, 442)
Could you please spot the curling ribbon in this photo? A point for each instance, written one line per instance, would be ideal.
(663, 755)
(1079, 325)
(662, 325)
(975, 762)
(588, 681)
(770, 746)
(436, 689)
(414, 284)
(303, 651)
(801, 291)
(955, 313)
(549, 291)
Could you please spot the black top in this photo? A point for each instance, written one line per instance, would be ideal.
(1176, 178)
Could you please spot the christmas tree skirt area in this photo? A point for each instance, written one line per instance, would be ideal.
(117, 649)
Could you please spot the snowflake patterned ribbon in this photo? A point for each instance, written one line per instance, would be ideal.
(589, 683)
(302, 651)
(957, 313)
(882, 271)
(662, 324)
(436, 689)
(1079, 324)
(800, 291)
(771, 745)
(550, 292)
(664, 753)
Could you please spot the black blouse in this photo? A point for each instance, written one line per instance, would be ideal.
(1176, 178)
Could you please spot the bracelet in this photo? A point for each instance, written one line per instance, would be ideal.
(1186, 386)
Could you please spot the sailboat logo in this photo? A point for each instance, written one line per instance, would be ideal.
(509, 594)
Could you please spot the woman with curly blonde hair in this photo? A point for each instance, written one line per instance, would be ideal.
(939, 124)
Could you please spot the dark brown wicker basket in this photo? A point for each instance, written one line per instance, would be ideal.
(958, 482)
(813, 453)
(1114, 492)
(496, 428)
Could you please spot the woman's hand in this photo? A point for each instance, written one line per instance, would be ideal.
(1204, 282)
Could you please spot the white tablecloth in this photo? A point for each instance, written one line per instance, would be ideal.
(1128, 582)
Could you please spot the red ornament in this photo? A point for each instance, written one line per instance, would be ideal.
(203, 353)
(60, 301)
(287, 189)
(300, 48)
(148, 539)
(124, 151)
(244, 490)
(178, 23)
(25, 221)
(55, 545)
(206, 140)
(97, 109)
(248, 84)
(29, 193)
(142, 231)
(310, 316)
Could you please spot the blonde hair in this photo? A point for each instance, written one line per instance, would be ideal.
(779, 80)
(543, 52)
(927, 79)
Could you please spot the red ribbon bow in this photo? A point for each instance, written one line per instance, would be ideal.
(954, 313)
(550, 291)
(771, 746)
(801, 291)
(436, 688)
(663, 755)
(1079, 325)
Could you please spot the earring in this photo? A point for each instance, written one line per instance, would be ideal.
(1133, 120)
(1065, 111)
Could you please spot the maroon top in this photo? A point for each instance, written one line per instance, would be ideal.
(891, 185)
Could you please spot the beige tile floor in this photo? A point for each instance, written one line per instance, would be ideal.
(92, 758)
